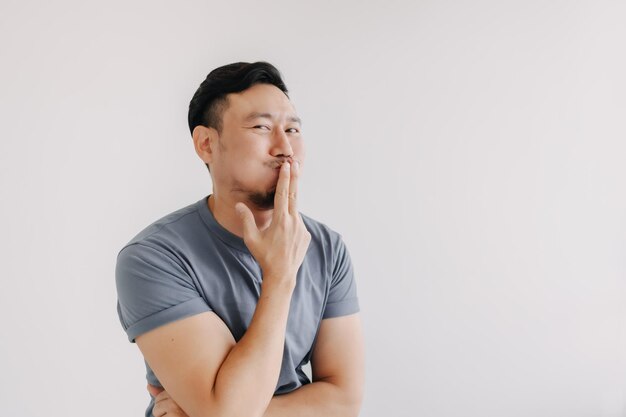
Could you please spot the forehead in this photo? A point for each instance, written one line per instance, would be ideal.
(260, 98)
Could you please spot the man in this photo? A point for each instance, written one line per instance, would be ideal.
(229, 297)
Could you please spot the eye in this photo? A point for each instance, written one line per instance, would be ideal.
(263, 127)
(292, 130)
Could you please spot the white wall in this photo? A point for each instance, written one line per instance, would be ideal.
(470, 153)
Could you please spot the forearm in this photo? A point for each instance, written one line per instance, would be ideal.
(248, 376)
(320, 398)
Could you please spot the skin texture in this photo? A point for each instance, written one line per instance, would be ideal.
(338, 375)
(255, 163)
(245, 155)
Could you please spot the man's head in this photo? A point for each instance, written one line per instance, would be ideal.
(244, 126)
(209, 101)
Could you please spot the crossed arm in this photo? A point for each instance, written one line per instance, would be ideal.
(337, 365)
(338, 375)
(207, 374)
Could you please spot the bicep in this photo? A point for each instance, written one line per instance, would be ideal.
(186, 356)
(339, 353)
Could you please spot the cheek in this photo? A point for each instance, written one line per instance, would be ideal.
(249, 163)
(299, 151)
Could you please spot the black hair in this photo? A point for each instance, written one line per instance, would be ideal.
(209, 101)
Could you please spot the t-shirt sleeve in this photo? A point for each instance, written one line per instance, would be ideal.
(153, 289)
(342, 298)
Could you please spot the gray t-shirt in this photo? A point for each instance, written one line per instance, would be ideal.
(186, 263)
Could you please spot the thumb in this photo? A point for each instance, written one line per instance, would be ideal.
(247, 218)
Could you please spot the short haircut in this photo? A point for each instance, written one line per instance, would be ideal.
(209, 101)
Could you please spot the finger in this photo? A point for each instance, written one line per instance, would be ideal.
(154, 390)
(250, 230)
(159, 410)
(167, 407)
(281, 199)
(162, 396)
(293, 188)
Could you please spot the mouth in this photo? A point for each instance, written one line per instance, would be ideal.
(280, 164)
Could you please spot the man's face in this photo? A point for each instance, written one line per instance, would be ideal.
(260, 130)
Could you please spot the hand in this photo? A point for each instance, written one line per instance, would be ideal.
(280, 248)
(164, 404)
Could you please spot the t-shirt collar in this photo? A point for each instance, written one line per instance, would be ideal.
(222, 233)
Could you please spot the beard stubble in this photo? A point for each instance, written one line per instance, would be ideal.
(262, 200)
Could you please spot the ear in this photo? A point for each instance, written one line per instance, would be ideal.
(205, 141)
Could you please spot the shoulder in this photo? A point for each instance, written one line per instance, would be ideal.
(328, 240)
(321, 231)
(167, 233)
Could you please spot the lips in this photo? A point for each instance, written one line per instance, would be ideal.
(279, 164)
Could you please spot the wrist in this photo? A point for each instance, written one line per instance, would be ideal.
(278, 283)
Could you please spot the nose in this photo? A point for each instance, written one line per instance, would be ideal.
(281, 146)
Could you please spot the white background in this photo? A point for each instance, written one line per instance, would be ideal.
(470, 153)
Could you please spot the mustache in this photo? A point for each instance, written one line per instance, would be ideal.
(278, 164)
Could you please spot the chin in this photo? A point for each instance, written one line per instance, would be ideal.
(262, 200)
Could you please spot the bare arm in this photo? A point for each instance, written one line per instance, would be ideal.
(197, 360)
(338, 375)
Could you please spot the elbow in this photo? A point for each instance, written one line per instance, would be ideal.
(354, 394)
(346, 409)
(353, 404)
(232, 413)
(215, 413)
(348, 400)
(232, 409)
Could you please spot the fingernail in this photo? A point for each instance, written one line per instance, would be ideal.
(286, 165)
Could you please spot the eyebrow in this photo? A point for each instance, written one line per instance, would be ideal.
(256, 115)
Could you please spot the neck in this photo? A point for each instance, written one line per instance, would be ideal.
(223, 209)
